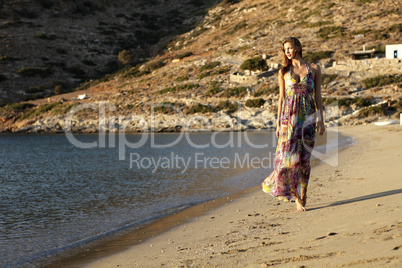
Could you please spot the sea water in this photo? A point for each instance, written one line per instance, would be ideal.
(58, 192)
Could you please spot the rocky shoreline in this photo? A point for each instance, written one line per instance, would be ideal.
(245, 119)
(242, 120)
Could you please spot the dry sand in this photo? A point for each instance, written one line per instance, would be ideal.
(353, 219)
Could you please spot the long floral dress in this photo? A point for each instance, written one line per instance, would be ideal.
(296, 139)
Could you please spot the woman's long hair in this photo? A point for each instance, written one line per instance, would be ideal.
(286, 62)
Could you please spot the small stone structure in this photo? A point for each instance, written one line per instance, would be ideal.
(242, 78)
(273, 65)
(249, 78)
(362, 54)
(374, 65)
(252, 77)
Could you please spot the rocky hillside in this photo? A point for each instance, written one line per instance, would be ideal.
(190, 76)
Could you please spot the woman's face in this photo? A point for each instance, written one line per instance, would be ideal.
(290, 50)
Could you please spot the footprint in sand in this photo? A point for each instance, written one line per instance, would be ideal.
(263, 225)
(322, 237)
(382, 230)
(181, 249)
(389, 232)
(353, 234)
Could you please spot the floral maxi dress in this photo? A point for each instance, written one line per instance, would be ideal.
(296, 139)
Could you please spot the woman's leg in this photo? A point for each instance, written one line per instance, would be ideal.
(304, 196)
(307, 148)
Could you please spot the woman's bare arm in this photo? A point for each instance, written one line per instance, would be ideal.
(318, 98)
(280, 101)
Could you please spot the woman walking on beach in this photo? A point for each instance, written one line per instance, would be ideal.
(298, 117)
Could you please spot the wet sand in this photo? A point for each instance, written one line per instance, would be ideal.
(353, 219)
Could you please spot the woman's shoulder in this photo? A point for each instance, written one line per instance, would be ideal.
(315, 67)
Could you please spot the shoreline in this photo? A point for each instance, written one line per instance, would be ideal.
(175, 131)
(121, 240)
(329, 216)
(135, 235)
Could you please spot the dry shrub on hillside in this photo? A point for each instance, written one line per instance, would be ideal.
(255, 103)
(381, 80)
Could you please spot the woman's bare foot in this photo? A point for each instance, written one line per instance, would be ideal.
(299, 204)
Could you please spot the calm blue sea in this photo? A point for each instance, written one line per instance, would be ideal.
(55, 195)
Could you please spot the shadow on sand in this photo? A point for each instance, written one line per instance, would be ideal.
(358, 199)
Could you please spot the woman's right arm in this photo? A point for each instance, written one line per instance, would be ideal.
(280, 101)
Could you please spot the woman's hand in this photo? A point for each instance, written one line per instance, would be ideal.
(320, 127)
(278, 127)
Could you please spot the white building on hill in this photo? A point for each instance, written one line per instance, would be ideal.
(393, 51)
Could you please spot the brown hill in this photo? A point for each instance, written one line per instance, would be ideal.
(192, 73)
(55, 43)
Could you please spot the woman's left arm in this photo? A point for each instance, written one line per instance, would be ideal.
(318, 99)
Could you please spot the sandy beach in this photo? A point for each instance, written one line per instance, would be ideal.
(353, 219)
